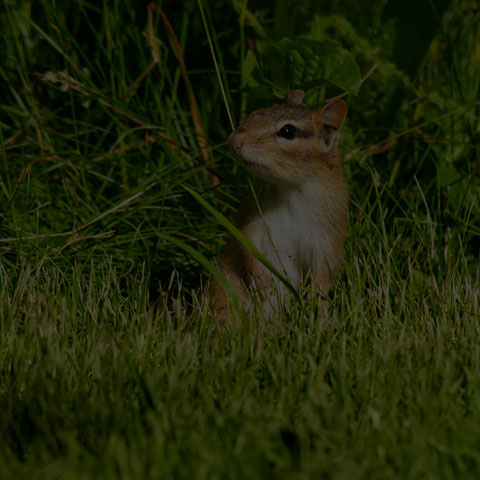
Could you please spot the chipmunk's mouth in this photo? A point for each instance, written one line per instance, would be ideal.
(250, 164)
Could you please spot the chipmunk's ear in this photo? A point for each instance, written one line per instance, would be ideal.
(295, 97)
(329, 120)
(333, 114)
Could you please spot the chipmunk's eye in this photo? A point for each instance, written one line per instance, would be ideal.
(288, 131)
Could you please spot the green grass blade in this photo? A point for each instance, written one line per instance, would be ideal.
(243, 240)
(205, 263)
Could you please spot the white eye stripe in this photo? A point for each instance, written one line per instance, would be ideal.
(281, 124)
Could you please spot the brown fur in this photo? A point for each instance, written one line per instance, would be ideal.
(303, 198)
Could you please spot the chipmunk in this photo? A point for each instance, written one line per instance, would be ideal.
(292, 152)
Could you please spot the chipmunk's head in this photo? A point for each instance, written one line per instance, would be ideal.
(288, 143)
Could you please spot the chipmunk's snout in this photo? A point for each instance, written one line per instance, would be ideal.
(236, 142)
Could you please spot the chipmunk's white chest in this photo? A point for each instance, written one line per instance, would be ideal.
(291, 234)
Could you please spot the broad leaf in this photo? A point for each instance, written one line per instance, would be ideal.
(309, 63)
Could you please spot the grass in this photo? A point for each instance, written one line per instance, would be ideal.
(98, 381)
(112, 366)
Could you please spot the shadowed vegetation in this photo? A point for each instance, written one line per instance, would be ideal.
(111, 364)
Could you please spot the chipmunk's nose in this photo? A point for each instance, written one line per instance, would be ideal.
(236, 143)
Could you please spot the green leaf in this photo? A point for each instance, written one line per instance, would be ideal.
(248, 67)
(456, 188)
(248, 17)
(309, 63)
(414, 25)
